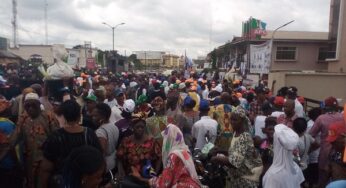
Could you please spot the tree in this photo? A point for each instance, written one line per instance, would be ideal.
(100, 57)
(213, 59)
(137, 63)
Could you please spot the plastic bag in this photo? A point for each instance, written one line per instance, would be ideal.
(60, 70)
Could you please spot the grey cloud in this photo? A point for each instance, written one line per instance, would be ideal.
(172, 25)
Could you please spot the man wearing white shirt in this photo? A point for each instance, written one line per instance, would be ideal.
(110, 98)
(260, 120)
(117, 109)
(205, 126)
(298, 108)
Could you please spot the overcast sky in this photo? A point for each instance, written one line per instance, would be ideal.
(166, 25)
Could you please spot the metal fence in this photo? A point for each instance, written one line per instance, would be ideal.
(312, 103)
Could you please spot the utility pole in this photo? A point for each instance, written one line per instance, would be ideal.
(45, 20)
(14, 23)
(145, 60)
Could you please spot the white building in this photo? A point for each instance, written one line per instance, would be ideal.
(78, 56)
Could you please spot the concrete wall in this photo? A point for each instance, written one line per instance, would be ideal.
(312, 85)
(6, 61)
(340, 64)
(26, 51)
(306, 57)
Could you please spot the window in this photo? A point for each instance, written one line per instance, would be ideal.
(325, 53)
(286, 53)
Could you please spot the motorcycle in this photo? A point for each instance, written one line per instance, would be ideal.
(209, 174)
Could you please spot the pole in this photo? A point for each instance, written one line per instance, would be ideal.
(272, 42)
(113, 37)
(113, 28)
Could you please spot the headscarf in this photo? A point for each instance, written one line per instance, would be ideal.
(247, 123)
(284, 172)
(173, 143)
(141, 100)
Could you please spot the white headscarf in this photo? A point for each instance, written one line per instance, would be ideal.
(173, 143)
(284, 172)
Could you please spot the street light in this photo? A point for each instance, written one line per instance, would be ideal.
(272, 41)
(271, 48)
(280, 28)
(113, 28)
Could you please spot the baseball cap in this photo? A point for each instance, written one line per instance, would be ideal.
(118, 92)
(335, 130)
(2, 79)
(31, 96)
(204, 105)
(187, 101)
(91, 97)
(279, 101)
(129, 106)
(182, 85)
(330, 101)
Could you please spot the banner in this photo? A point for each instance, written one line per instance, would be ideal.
(91, 63)
(72, 59)
(260, 58)
(188, 67)
(253, 28)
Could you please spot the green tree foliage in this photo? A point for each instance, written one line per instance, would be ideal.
(213, 59)
(137, 63)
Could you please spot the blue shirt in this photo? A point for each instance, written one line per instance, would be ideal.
(7, 127)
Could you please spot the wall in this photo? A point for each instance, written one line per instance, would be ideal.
(340, 64)
(25, 51)
(6, 61)
(312, 85)
(306, 57)
(171, 61)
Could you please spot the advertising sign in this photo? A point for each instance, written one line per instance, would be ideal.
(260, 58)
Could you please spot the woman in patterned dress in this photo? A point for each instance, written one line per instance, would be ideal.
(136, 150)
(179, 170)
(245, 164)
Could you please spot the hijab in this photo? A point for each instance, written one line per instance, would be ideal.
(284, 172)
(173, 143)
(240, 111)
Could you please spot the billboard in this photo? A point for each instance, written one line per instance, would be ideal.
(90, 63)
(72, 59)
(260, 58)
(254, 28)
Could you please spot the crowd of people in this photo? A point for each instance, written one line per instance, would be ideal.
(143, 130)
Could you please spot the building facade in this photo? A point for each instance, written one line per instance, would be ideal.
(26, 51)
(291, 50)
(81, 54)
(150, 58)
(170, 61)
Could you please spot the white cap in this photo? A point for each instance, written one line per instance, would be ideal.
(129, 106)
(218, 89)
(31, 96)
(2, 79)
(182, 85)
(133, 84)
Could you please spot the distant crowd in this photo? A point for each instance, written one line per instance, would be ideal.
(106, 130)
